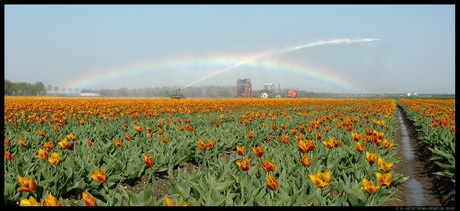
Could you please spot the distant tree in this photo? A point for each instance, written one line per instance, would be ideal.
(49, 88)
(56, 89)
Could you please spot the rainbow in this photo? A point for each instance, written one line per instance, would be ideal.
(308, 73)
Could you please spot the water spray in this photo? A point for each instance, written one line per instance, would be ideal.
(287, 50)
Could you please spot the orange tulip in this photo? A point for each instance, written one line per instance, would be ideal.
(310, 145)
(119, 142)
(302, 146)
(244, 165)
(329, 144)
(371, 157)
(148, 161)
(48, 146)
(54, 159)
(51, 201)
(211, 144)
(42, 154)
(71, 137)
(89, 201)
(284, 139)
(369, 186)
(293, 131)
(138, 128)
(306, 161)
(202, 145)
(8, 155)
(384, 179)
(240, 150)
(170, 203)
(64, 143)
(387, 144)
(31, 202)
(356, 136)
(249, 134)
(27, 185)
(383, 165)
(89, 143)
(99, 175)
(319, 136)
(268, 166)
(360, 146)
(321, 180)
(128, 137)
(259, 151)
(163, 139)
(23, 143)
(42, 133)
(271, 182)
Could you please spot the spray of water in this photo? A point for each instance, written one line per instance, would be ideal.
(287, 50)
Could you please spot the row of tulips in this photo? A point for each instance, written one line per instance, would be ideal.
(434, 119)
(304, 151)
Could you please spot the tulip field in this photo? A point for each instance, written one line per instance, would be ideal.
(252, 152)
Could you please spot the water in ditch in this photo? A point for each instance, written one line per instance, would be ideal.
(415, 189)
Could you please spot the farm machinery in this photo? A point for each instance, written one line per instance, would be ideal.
(244, 90)
(269, 91)
(178, 95)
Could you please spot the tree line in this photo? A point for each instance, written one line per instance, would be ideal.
(205, 91)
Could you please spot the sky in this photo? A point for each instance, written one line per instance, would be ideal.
(318, 48)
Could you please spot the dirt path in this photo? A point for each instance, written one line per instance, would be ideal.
(434, 190)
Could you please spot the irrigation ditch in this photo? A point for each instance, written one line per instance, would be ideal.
(423, 188)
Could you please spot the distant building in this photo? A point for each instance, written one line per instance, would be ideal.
(413, 94)
(89, 93)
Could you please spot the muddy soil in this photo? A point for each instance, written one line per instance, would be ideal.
(439, 191)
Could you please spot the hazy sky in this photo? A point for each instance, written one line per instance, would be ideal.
(319, 48)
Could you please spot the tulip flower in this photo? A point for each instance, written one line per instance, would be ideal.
(8, 155)
(319, 136)
(42, 154)
(119, 142)
(360, 146)
(244, 165)
(384, 179)
(211, 144)
(310, 145)
(321, 180)
(42, 133)
(23, 143)
(284, 139)
(369, 186)
(387, 144)
(31, 202)
(71, 137)
(170, 203)
(329, 144)
(383, 165)
(89, 143)
(7, 143)
(48, 146)
(259, 151)
(138, 128)
(27, 185)
(249, 134)
(89, 201)
(271, 182)
(99, 175)
(128, 137)
(371, 157)
(293, 131)
(240, 150)
(51, 201)
(148, 161)
(163, 139)
(54, 159)
(306, 161)
(356, 136)
(64, 143)
(268, 166)
(202, 145)
(302, 146)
